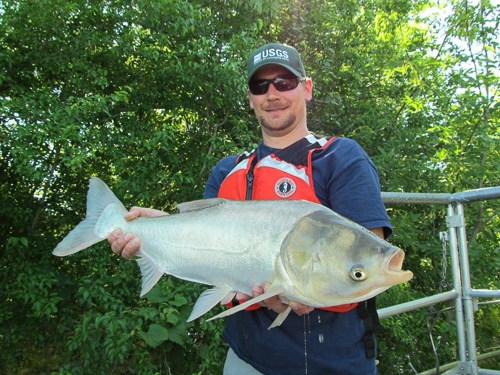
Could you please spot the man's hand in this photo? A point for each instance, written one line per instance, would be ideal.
(275, 304)
(126, 244)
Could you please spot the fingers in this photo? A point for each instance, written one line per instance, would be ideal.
(125, 245)
(132, 246)
(242, 297)
(257, 290)
(300, 309)
(272, 303)
(275, 303)
(113, 237)
(132, 214)
(135, 212)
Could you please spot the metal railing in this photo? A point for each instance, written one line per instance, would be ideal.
(462, 292)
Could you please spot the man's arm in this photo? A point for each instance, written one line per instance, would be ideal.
(379, 231)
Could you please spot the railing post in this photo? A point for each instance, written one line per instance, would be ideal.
(466, 290)
(457, 283)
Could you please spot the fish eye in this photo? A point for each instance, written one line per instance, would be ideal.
(358, 274)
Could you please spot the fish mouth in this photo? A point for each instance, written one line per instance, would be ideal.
(395, 265)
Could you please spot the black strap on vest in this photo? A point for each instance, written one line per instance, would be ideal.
(367, 311)
(249, 191)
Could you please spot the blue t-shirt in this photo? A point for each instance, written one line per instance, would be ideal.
(322, 342)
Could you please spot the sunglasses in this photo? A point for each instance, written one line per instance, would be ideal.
(260, 86)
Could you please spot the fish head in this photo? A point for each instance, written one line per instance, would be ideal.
(332, 261)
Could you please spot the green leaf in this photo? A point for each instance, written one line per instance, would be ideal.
(179, 300)
(155, 335)
(24, 241)
(156, 295)
(177, 334)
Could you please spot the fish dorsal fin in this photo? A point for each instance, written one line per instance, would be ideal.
(200, 204)
(271, 292)
(207, 300)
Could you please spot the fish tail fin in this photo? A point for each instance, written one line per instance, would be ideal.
(92, 229)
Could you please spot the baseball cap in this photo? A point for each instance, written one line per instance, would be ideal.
(278, 54)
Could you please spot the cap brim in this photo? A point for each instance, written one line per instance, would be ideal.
(291, 70)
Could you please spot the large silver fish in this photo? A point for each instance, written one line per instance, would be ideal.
(304, 251)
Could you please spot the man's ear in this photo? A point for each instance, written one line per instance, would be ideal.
(309, 89)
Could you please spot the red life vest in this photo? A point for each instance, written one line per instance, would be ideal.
(286, 174)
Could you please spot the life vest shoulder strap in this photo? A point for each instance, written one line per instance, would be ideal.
(367, 311)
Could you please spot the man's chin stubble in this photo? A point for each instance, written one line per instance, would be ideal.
(285, 124)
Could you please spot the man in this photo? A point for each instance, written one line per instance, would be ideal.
(292, 163)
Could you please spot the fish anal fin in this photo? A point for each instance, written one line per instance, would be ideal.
(208, 299)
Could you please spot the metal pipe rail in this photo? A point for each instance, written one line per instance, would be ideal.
(401, 308)
(442, 198)
(464, 295)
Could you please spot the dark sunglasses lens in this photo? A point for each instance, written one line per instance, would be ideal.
(285, 84)
(260, 86)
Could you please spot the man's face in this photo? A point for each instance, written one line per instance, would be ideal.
(280, 112)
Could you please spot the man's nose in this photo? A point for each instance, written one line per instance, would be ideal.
(272, 92)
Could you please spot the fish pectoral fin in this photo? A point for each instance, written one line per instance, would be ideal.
(280, 318)
(207, 300)
(151, 273)
(271, 292)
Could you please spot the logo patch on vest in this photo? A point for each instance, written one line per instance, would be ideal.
(285, 187)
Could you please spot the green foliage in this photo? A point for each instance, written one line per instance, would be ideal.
(148, 95)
